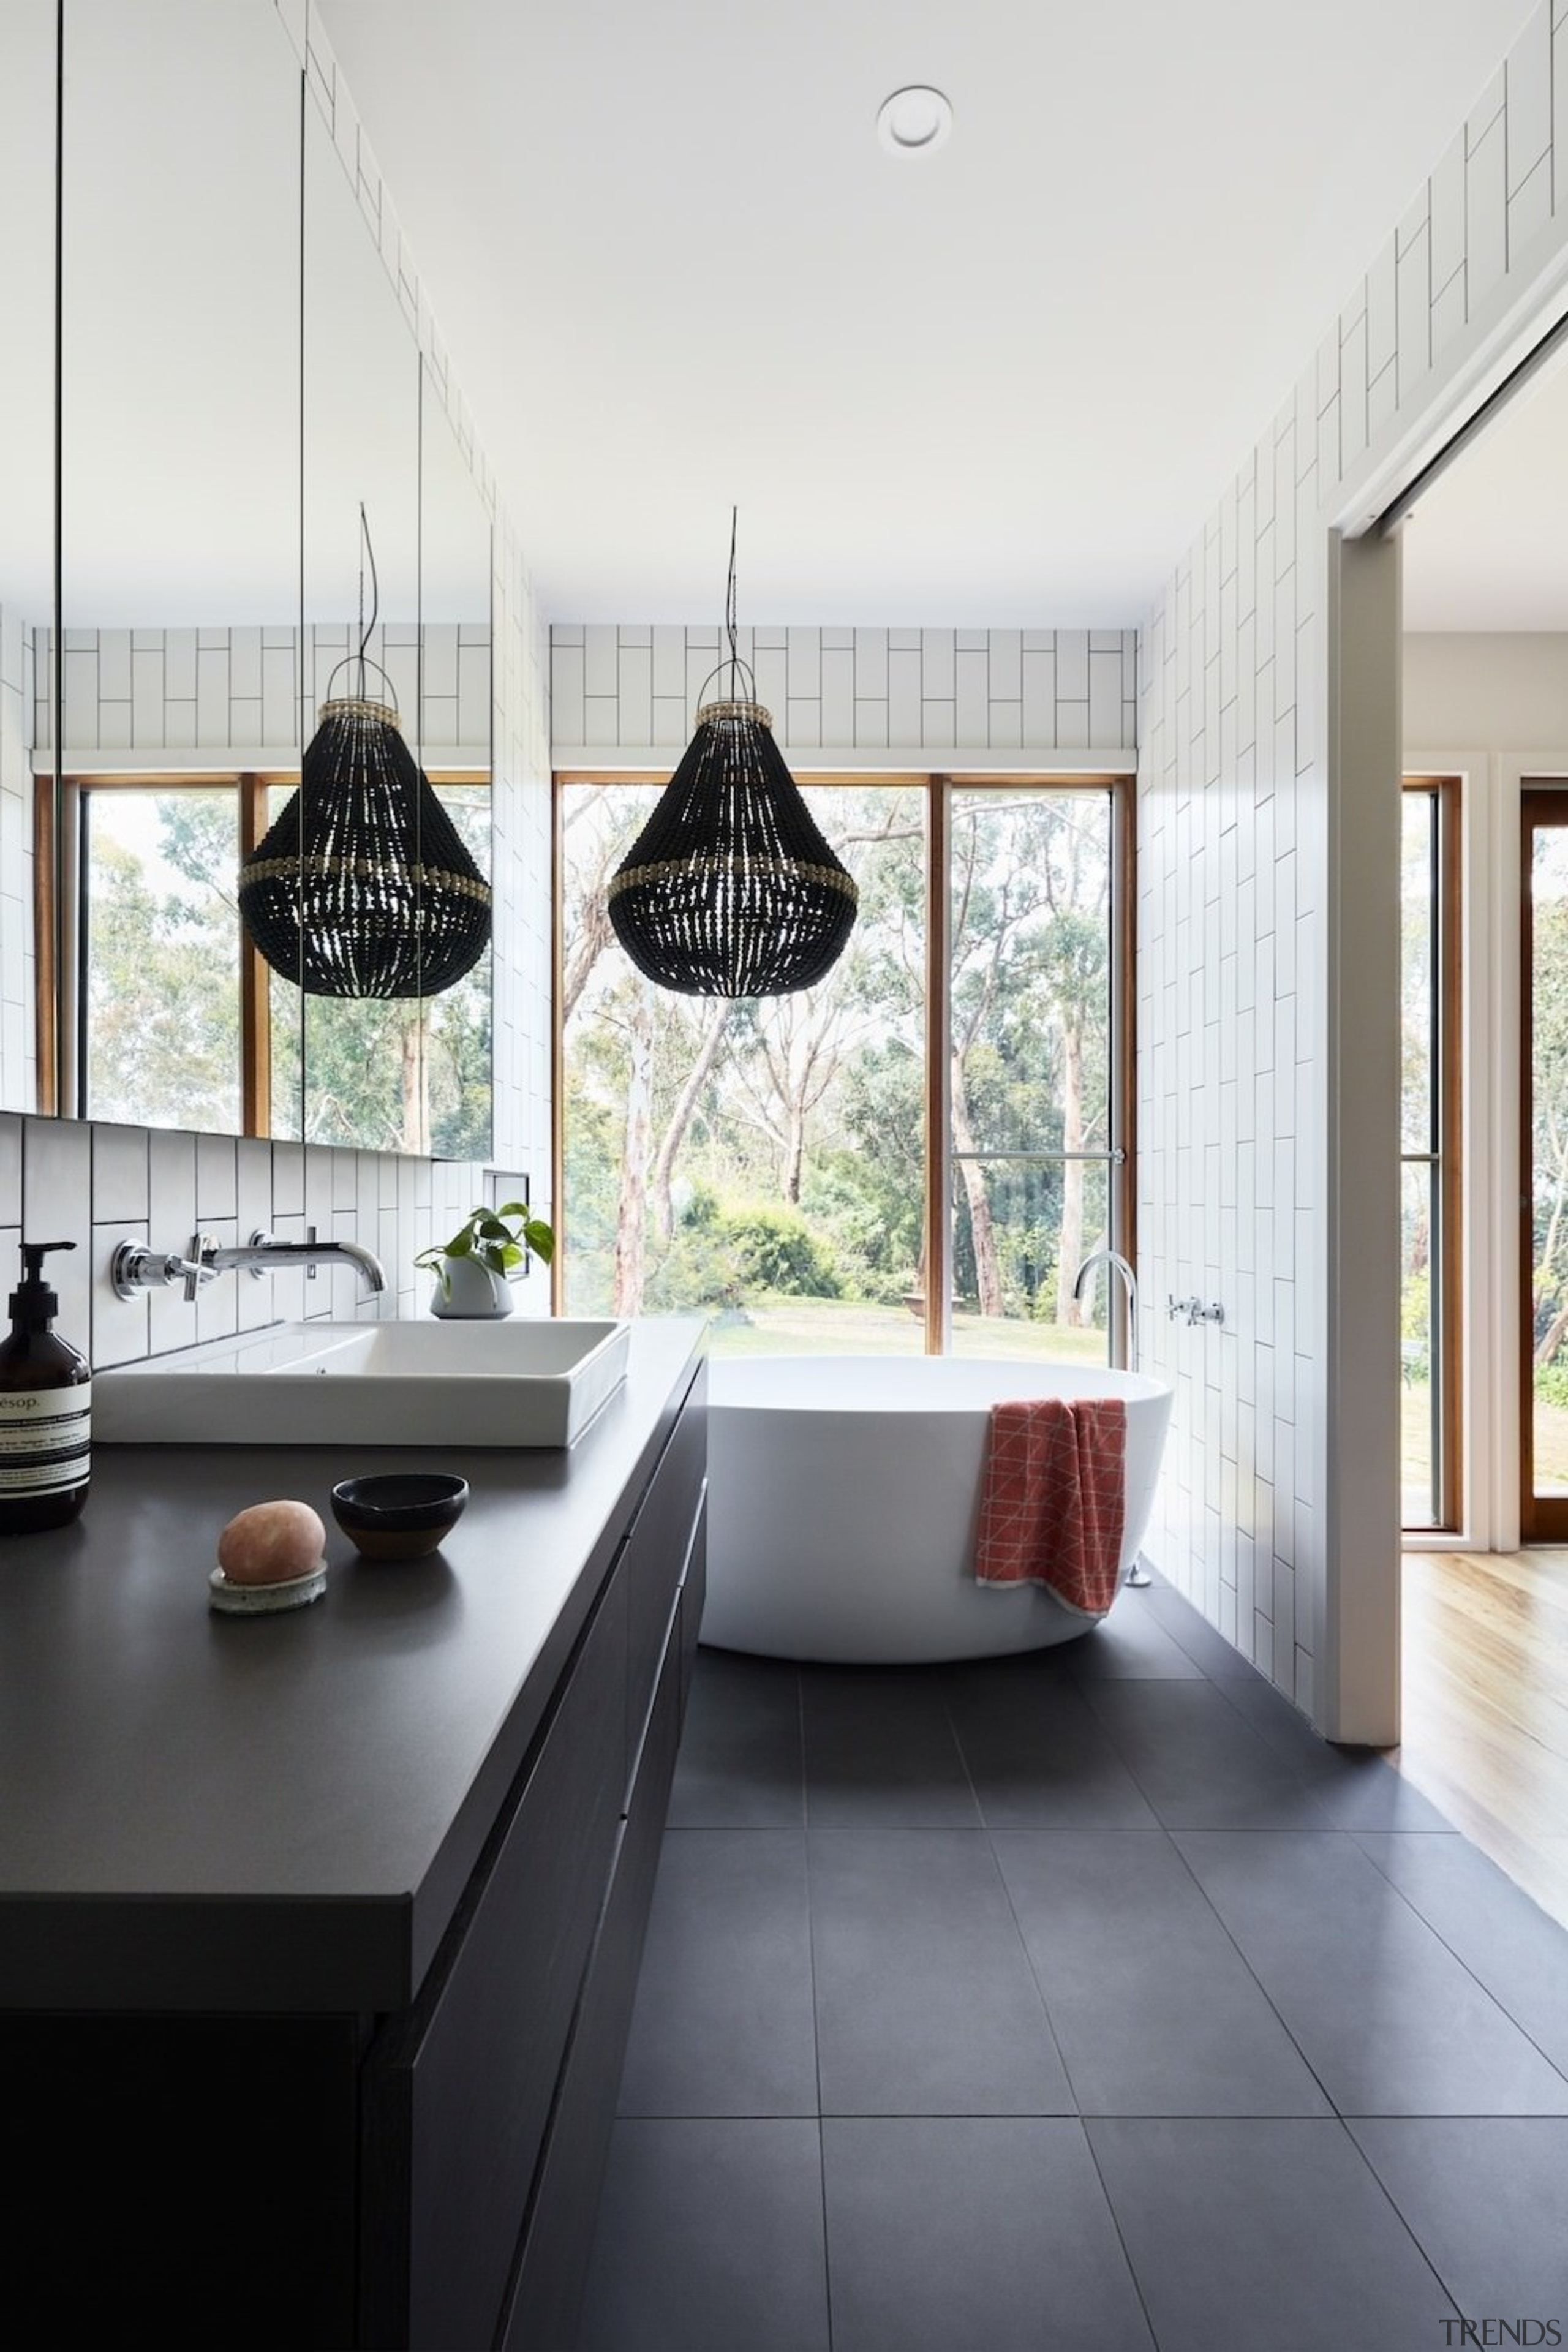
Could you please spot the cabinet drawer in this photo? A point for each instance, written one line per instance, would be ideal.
(457, 2094)
(693, 1592)
(543, 2315)
(657, 1551)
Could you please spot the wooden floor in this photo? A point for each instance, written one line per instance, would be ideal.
(1486, 1705)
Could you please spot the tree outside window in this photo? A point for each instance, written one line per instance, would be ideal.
(765, 1161)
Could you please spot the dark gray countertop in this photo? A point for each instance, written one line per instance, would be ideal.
(280, 1813)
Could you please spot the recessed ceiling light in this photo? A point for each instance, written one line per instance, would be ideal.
(914, 120)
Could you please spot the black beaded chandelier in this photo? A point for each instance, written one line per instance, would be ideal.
(729, 889)
(362, 888)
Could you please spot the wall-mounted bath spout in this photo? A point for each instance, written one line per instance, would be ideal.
(1114, 1258)
(134, 1269)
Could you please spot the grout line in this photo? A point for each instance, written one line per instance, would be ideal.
(1121, 2234)
(1433, 1930)
(815, 2031)
(1395, 2208)
(1263, 1990)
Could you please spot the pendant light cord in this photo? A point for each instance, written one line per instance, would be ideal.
(367, 554)
(731, 609)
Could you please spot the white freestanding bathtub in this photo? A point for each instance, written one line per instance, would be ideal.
(842, 1498)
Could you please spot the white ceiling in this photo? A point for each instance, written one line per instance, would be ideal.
(676, 269)
(1003, 385)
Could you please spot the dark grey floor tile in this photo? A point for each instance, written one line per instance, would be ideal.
(1389, 2020)
(1359, 1790)
(879, 1750)
(1037, 1758)
(1154, 2011)
(1356, 1788)
(925, 2000)
(1131, 1642)
(1265, 2233)
(1506, 1941)
(1487, 2198)
(722, 2024)
(739, 1764)
(1200, 1765)
(974, 2235)
(1203, 1643)
(709, 2239)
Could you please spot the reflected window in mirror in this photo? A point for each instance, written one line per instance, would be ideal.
(179, 1020)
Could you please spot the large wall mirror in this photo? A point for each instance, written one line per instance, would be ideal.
(239, 384)
(27, 85)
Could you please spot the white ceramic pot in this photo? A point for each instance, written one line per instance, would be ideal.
(471, 1292)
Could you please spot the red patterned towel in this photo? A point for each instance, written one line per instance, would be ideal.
(1052, 1505)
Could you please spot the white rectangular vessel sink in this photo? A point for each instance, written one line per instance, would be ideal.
(530, 1383)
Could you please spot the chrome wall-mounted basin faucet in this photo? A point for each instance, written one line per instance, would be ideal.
(134, 1269)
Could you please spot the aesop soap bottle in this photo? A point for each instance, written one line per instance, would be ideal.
(46, 1409)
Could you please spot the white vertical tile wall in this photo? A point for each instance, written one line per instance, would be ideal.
(64, 1180)
(244, 689)
(93, 1185)
(919, 690)
(1233, 855)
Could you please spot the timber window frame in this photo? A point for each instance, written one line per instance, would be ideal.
(937, 788)
(62, 932)
(1440, 1155)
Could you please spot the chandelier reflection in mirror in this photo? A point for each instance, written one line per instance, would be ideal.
(362, 888)
(729, 889)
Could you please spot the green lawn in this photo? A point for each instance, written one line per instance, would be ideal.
(772, 1325)
(1415, 1452)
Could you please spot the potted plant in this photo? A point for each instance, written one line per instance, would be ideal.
(474, 1268)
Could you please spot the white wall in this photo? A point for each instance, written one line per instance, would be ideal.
(239, 691)
(919, 691)
(1494, 691)
(97, 1185)
(1246, 812)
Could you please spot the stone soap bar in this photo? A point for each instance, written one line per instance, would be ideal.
(271, 1543)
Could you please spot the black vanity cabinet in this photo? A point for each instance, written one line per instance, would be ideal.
(486, 2107)
(316, 2095)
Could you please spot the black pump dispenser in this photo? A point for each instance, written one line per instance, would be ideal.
(33, 1306)
(46, 1409)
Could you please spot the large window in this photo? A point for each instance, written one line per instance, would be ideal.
(1429, 1148)
(1031, 1064)
(916, 1154)
(179, 1022)
(1543, 1165)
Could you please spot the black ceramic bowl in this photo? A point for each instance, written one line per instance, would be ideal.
(400, 1515)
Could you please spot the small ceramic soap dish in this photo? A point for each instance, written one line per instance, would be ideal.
(261, 1599)
(400, 1515)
